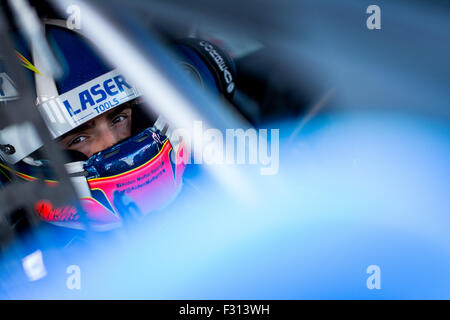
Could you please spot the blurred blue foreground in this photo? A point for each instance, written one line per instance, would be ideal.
(353, 190)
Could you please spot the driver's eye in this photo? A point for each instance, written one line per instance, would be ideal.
(77, 140)
(119, 118)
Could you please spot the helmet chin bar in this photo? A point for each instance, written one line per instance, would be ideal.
(79, 170)
(133, 178)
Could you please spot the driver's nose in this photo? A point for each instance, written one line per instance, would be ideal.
(105, 139)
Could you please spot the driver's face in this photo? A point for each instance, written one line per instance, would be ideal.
(100, 133)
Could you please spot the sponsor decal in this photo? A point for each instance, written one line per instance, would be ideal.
(220, 61)
(98, 95)
(81, 104)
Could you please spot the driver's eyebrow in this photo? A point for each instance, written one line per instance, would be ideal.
(83, 127)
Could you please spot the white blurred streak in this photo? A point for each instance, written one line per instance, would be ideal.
(33, 265)
(158, 91)
(31, 28)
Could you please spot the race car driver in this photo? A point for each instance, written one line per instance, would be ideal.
(121, 161)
